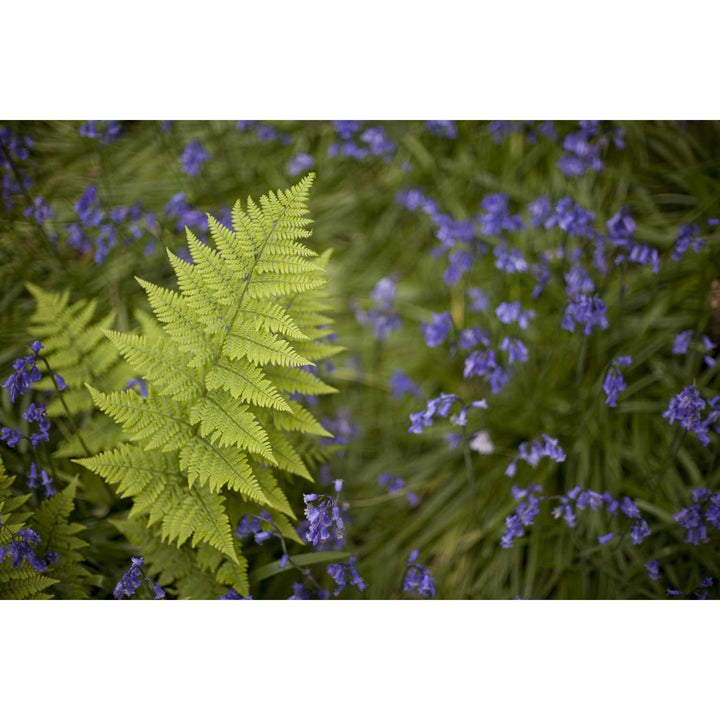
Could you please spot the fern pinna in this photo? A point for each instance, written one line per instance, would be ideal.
(232, 346)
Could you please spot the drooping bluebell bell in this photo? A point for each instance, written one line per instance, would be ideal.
(524, 515)
(540, 210)
(496, 218)
(687, 406)
(479, 302)
(587, 310)
(614, 382)
(22, 547)
(25, 373)
(10, 436)
(687, 238)
(573, 219)
(484, 363)
(233, 594)
(472, 337)
(418, 580)
(40, 211)
(516, 350)
(402, 384)
(138, 384)
(299, 163)
(704, 510)
(442, 128)
(132, 579)
(323, 515)
(534, 450)
(510, 260)
(511, 312)
(653, 569)
(437, 331)
(193, 157)
(605, 539)
(339, 572)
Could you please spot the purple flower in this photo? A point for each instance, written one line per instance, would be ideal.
(478, 300)
(540, 210)
(25, 373)
(300, 163)
(323, 515)
(532, 452)
(193, 157)
(339, 572)
(524, 515)
(437, 330)
(510, 312)
(653, 569)
(40, 211)
(442, 128)
(687, 238)
(682, 342)
(614, 382)
(401, 385)
(516, 350)
(418, 581)
(587, 310)
(686, 407)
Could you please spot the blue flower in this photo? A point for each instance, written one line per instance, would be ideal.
(605, 539)
(233, 594)
(510, 312)
(25, 373)
(381, 316)
(437, 330)
(132, 579)
(532, 452)
(614, 382)
(653, 569)
(401, 385)
(525, 514)
(339, 571)
(323, 515)
(442, 128)
(418, 580)
(587, 310)
(540, 210)
(509, 260)
(139, 384)
(687, 238)
(193, 157)
(40, 211)
(478, 300)
(686, 407)
(300, 163)
(516, 350)
(682, 342)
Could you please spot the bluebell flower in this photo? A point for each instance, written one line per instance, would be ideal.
(61, 384)
(605, 539)
(540, 210)
(682, 341)
(442, 128)
(133, 578)
(40, 211)
(299, 163)
(438, 329)
(614, 382)
(25, 373)
(10, 436)
(139, 384)
(483, 363)
(687, 238)
(472, 337)
(510, 312)
(653, 569)
(584, 310)
(233, 594)
(323, 515)
(339, 572)
(346, 128)
(377, 141)
(525, 514)
(686, 407)
(418, 580)
(533, 451)
(478, 300)
(509, 260)
(193, 157)
(516, 350)
(401, 385)
(497, 218)
(573, 219)
(460, 262)
(382, 315)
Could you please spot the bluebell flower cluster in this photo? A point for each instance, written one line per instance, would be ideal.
(139, 385)
(442, 128)
(382, 315)
(323, 515)
(105, 131)
(533, 451)
(479, 302)
(302, 592)
(300, 163)
(653, 569)
(402, 384)
(394, 484)
(40, 211)
(133, 578)
(512, 312)
(496, 218)
(45, 480)
(704, 511)
(99, 231)
(516, 350)
(418, 580)
(339, 573)
(582, 148)
(440, 406)
(484, 364)
(579, 499)
(180, 210)
(15, 151)
(614, 382)
(193, 157)
(683, 340)
(265, 132)
(620, 233)
(22, 547)
(524, 515)
(587, 310)
(341, 426)
(25, 373)
(531, 129)
(701, 592)
(437, 330)
(233, 594)
(370, 142)
(253, 525)
(686, 408)
(687, 238)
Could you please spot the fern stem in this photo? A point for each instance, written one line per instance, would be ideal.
(67, 409)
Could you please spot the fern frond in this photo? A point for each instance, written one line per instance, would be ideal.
(221, 358)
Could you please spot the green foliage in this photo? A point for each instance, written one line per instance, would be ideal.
(66, 578)
(218, 424)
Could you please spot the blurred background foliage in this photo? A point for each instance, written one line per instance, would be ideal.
(668, 174)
